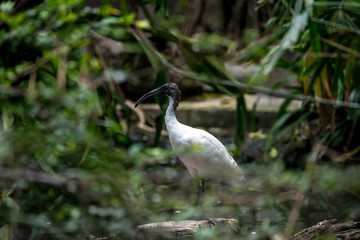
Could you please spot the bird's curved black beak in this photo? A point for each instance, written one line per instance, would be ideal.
(156, 91)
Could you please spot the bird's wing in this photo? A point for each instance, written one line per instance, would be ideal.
(210, 156)
(211, 146)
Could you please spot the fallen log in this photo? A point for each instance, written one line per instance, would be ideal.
(186, 229)
(348, 230)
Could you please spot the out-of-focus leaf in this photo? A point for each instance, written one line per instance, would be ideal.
(298, 24)
(321, 85)
(168, 35)
(241, 120)
(161, 78)
(283, 107)
(352, 113)
(276, 128)
(347, 155)
(7, 6)
(153, 60)
(5, 232)
(161, 6)
(215, 63)
(143, 25)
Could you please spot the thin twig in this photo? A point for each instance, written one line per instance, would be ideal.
(294, 214)
(335, 25)
(141, 116)
(11, 91)
(61, 74)
(30, 175)
(242, 86)
(341, 47)
(72, 183)
(32, 83)
(330, 55)
(32, 68)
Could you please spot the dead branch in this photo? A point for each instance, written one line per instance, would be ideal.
(16, 174)
(140, 114)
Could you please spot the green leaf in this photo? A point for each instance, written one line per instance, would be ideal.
(161, 6)
(218, 67)
(161, 78)
(298, 24)
(283, 107)
(5, 232)
(241, 121)
(274, 130)
(153, 60)
(352, 113)
(7, 6)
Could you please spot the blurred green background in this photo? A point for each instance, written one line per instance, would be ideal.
(78, 161)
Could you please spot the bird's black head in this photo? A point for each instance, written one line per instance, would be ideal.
(170, 89)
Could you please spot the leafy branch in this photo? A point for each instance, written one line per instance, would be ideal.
(242, 86)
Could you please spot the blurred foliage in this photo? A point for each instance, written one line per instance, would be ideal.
(69, 165)
(66, 166)
(318, 41)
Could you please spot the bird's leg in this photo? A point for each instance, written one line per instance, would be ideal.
(202, 186)
(199, 197)
(211, 222)
(200, 193)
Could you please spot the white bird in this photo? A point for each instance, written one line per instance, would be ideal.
(202, 153)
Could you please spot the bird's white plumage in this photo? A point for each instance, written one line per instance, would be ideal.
(210, 158)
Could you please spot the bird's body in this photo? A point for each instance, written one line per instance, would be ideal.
(202, 154)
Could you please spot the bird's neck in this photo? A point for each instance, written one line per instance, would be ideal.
(170, 116)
